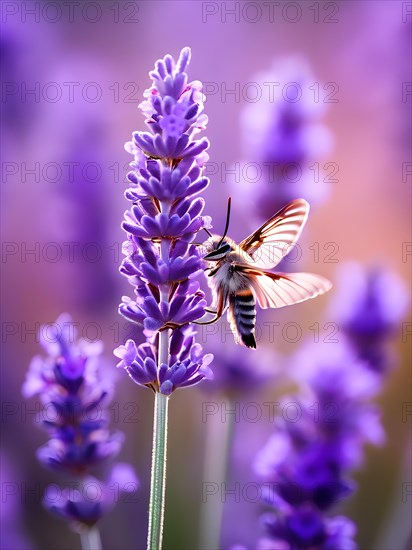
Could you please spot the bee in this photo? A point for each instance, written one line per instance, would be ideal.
(240, 276)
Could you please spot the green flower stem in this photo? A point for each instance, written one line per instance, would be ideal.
(90, 539)
(219, 439)
(158, 473)
(159, 446)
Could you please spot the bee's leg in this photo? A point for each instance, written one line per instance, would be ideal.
(220, 309)
(216, 318)
(217, 315)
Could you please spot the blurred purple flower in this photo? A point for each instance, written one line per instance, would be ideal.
(75, 413)
(306, 462)
(70, 364)
(305, 528)
(85, 503)
(238, 370)
(369, 306)
(160, 261)
(284, 136)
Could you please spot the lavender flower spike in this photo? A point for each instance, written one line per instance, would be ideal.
(76, 398)
(68, 383)
(160, 259)
(307, 462)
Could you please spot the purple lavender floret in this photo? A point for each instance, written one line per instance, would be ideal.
(173, 108)
(166, 214)
(306, 464)
(186, 305)
(187, 364)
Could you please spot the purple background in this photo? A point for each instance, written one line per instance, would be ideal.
(73, 140)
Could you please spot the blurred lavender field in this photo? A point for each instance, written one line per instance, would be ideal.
(303, 99)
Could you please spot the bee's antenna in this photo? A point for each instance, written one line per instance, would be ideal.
(208, 232)
(229, 200)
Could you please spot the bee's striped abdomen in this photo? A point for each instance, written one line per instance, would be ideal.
(242, 316)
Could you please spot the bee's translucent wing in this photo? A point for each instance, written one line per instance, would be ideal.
(271, 242)
(284, 289)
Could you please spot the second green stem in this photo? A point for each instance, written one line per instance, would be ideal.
(158, 474)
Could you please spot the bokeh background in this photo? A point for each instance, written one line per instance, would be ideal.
(72, 77)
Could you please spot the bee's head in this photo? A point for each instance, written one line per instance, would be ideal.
(216, 248)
